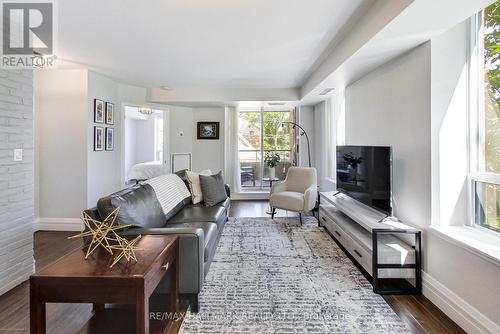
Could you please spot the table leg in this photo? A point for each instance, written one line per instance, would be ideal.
(270, 211)
(37, 311)
(141, 312)
(174, 291)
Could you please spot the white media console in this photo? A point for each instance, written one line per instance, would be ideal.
(388, 250)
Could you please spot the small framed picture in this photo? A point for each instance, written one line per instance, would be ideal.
(208, 130)
(98, 138)
(109, 139)
(110, 113)
(98, 111)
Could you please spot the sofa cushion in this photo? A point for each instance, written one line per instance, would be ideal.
(198, 213)
(289, 200)
(194, 184)
(213, 188)
(138, 206)
(210, 232)
(225, 203)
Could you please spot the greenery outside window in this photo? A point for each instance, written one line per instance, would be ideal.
(261, 134)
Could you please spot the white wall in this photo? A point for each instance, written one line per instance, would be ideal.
(145, 140)
(449, 127)
(61, 142)
(103, 167)
(139, 140)
(182, 131)
(208, 154)
(391, 106)
(68, 171)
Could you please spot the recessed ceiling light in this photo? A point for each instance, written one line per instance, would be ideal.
(326, 91)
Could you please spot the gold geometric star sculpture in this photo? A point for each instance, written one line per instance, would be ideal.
(104, 234)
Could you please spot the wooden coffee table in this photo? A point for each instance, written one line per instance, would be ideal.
(72, 279)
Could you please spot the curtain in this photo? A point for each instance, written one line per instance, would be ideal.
(294, 142)
(330, 139)
(231, 151)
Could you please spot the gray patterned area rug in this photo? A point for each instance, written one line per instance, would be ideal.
(277, 277)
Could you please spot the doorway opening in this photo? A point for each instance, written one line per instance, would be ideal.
(145, 143)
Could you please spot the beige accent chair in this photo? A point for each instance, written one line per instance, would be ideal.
(298, 192)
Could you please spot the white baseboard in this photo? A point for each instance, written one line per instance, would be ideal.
(464, 314)
(250, 196)
(59, 224)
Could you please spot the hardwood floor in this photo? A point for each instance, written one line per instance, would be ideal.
(421, 315)
(61, 318)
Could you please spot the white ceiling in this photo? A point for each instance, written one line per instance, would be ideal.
(202, 43)
(402, 33)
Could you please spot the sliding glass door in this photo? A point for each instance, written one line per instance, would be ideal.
(265, 134)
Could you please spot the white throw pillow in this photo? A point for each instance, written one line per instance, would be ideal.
(194, 184)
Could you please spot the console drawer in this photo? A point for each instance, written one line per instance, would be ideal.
(355, 249)
(363, 257)
(332, 226)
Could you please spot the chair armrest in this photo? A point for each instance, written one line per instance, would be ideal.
(228, 190)
(278, 187)
(191, 253)
(310, 197)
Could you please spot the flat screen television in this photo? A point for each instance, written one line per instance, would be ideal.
(364, 173)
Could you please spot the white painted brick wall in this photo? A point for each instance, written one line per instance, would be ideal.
(16, 178)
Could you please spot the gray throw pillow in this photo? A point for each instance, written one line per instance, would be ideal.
(213, 189)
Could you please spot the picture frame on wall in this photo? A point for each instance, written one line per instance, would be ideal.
(98, 111)
(208, 130)
(98, 138)
(110, 113)
(110, 139)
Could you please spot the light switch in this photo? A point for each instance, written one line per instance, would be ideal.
(18, 154)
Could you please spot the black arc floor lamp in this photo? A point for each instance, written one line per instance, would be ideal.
(303, 132)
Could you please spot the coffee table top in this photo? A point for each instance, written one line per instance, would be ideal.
(97, 265)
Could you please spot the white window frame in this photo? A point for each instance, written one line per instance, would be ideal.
(261, 111)
(476, 114)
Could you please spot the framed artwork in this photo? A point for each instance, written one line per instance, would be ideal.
(208, 130)
(98, 138)
(110, 113)
(98, 111)
(109, 139)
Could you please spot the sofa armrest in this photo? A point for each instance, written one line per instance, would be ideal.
(228, 190)
(310, 197)
(191, 253)
(278, 187)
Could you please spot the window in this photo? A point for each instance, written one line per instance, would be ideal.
(486, 135)
(262, 134)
